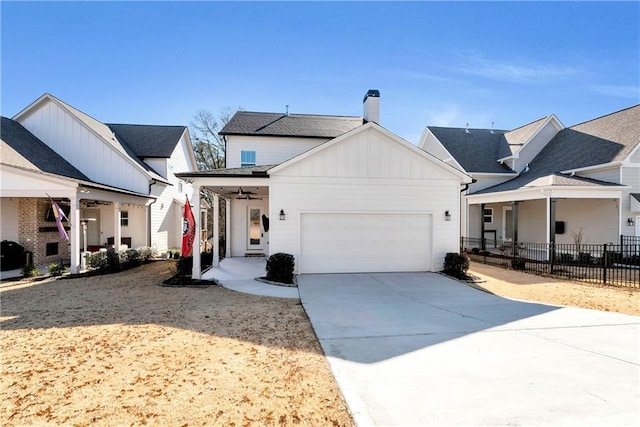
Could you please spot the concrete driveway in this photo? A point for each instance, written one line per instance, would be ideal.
(411, 349)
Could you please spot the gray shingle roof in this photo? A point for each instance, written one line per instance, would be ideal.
(476, 151)
(299, 125)
(149, 140)
(23, 149)
(602, 140)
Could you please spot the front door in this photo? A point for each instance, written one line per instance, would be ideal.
(93, 226)
(507, 223)
(255, 236)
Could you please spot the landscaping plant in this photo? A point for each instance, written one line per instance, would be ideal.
(456, 265)
(280, 268)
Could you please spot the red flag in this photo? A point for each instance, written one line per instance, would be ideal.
(188, 229)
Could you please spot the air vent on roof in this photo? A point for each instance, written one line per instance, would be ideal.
(492, 132)
(467, 129)
(287, 110)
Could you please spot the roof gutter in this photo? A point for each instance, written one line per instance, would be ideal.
(572, 172)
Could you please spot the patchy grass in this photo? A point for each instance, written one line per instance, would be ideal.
(119, 349)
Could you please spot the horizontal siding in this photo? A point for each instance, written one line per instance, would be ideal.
(83, 149)
(431, 145)
(269, 150)
(609, 175)
(535, 145)
(635, 158)
(597, 218)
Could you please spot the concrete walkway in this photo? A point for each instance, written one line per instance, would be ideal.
(239, 273)
(412, 349)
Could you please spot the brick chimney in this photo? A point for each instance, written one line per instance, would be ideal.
(371, 106)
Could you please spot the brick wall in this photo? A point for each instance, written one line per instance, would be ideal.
(32, 213)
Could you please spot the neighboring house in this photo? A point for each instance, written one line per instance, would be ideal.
(546, 183)
(119, 180)
(341, 194)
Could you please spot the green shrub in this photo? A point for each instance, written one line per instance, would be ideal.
(280, 268)
(131, 258)
(30, 270)
(456, 265)
(56, 269)
(105, 261)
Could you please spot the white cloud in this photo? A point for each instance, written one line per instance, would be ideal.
(618, 91)
(512, 71)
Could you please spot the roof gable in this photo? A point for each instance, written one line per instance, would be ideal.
(476, 150)
(606, 139)
(297, 125)
(369, 151)
(148, 140)
(23, 149)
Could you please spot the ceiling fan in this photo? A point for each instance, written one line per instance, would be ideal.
(239, 193)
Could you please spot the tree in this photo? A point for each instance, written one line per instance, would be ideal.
(208, 146)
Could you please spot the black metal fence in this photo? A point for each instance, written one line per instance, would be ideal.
(610, 264)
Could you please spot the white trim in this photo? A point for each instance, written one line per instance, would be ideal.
(230, 181)
(552, 117)
(496, 174)
(504, 222)
(609, 165)
(465, 179)
(533, 193)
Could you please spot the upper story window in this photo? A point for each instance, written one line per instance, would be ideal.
(488, 215)
(124, 218)
(180, 189)
(247, 158)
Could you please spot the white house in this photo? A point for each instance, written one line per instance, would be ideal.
(119, 180)
(341, 194)
(546, 183)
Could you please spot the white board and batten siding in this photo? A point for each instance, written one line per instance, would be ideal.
(81, 147)
(365, 203)
(167, 211)
(269, 151)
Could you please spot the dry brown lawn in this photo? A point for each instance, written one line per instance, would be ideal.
(516, 284)
(121, 350)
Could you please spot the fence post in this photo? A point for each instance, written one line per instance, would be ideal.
(604, 264)
(552, 256)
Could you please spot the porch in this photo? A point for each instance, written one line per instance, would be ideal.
(239, 273)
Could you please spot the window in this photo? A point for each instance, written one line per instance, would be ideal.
(247, 158)
(488, 215)
(124, 218)
(51, 249)
(179, 186)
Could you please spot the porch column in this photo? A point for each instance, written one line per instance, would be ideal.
(196, 272)
(551, 203)
(74, 233)
(482, 242)
(514, 212)
(227, 226)
(117, 230)
(216, 231)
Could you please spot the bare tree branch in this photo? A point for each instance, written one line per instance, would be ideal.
(208, 146)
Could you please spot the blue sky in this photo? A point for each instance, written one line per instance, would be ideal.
(446, 64)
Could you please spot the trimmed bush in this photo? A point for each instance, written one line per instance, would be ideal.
(280, 268)
(30, 271)
(518, 264)
(456, 265)
(56, 269)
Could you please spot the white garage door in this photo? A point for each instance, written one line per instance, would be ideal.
(364, 242)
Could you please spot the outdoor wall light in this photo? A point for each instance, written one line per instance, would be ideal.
(282, 215)
(447, 216)
(630, 221)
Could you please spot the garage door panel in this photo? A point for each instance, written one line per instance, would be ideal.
(360, 242)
